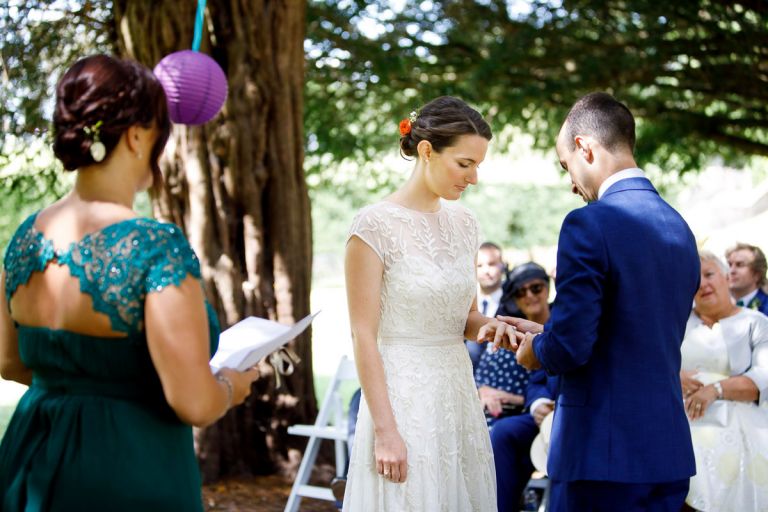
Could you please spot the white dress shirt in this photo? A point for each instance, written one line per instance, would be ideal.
(747, 298)
(632, 172)
(492, 302)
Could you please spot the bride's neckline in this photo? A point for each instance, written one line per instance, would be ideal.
(389, 201)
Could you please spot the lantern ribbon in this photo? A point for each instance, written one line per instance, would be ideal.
(198, 25)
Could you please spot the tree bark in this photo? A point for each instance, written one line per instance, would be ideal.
(236, 186)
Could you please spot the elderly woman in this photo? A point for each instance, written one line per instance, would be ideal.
(724, 378)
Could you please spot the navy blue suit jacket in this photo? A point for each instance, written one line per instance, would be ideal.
(627, 271)
(759, 302)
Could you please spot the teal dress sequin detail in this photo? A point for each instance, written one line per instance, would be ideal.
(93, 431)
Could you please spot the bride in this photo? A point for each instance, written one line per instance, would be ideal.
(422, 443)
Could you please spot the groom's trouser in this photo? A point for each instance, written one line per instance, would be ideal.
(599, 496)
(511, 438)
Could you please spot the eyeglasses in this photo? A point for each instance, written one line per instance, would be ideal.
(534, 288)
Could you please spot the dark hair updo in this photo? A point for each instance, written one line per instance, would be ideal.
(120, 94)
(441, 122)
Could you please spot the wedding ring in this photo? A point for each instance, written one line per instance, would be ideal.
(698, 406)
(386, 472)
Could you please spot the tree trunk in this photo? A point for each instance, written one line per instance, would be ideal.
(236, 186)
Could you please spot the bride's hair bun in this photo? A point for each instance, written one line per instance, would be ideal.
(441, 122)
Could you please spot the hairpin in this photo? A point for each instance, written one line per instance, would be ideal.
(97, 149)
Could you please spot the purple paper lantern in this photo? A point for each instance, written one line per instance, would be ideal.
(194, 84)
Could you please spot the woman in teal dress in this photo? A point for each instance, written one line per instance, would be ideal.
(102, 314)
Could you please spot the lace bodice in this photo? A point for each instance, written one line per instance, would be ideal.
(116, 266)
(429, 267)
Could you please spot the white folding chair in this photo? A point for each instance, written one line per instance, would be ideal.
(330, 424)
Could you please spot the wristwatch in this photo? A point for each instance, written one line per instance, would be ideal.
(719, 388)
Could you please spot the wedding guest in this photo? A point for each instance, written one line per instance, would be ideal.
(512, 436)
(724, 381)
(500, 380)
(102, 314)
(746, 276)
(490, 272)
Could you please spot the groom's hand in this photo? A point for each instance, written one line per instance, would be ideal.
(525, 354)
(522, 324)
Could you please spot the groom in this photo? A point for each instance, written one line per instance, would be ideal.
(627, 271)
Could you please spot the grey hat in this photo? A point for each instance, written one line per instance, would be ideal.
(521, 274)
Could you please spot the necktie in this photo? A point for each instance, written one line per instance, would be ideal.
(485, 307)
(740, 303)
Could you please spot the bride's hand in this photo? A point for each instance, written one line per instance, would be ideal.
(501, 334)
(391, 456)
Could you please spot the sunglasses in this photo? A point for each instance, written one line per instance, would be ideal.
(535, 289)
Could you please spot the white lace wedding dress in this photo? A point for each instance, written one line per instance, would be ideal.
(428, 287)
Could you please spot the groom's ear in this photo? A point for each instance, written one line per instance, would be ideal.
(584, 147)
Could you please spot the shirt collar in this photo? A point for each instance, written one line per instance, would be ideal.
(632, 172)
(748, 297)
(495, 297)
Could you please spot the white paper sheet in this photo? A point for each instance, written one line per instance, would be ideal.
(250, 340)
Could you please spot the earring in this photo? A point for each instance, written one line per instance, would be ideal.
(138, 155)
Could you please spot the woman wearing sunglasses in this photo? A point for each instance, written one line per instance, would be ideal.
(526, 291)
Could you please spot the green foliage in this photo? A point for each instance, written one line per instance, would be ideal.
(28, 183)
(521, 216)
(38, 40)
(692, 72)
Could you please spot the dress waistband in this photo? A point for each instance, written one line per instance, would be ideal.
(85, 386)
(438, 340)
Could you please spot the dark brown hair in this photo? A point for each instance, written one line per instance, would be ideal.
(441, 122)
(603, 117)
(119, 93)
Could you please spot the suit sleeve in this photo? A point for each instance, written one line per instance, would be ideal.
(582, 266)
(537, 388)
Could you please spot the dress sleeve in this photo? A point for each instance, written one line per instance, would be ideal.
(370, 227)
(758, 340)
(171, 259)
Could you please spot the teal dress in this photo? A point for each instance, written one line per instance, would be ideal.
(94, 431)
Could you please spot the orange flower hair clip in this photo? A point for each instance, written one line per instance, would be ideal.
(405, 124)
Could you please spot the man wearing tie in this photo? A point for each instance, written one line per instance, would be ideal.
(490, 270)
(746, 276)
(627, 272)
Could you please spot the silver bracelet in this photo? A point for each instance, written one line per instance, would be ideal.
(230, 389)
(719, 388)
